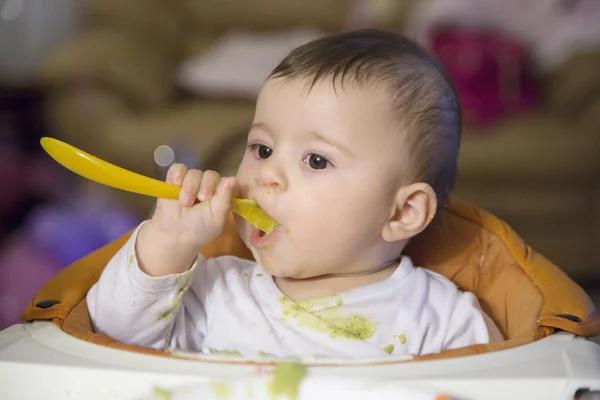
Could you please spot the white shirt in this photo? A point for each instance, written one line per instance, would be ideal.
(228, 304)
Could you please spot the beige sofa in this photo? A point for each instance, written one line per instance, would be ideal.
(111, 92)
(111, 89)
(540, 172)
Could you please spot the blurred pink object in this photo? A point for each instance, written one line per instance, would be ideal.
(491, 72)
(23, 176)
(24, 269)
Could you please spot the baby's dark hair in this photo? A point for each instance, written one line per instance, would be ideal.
(423, 98)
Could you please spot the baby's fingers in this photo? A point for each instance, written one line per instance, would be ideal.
(191, 187)
(210, 180)
(175, 176)
(176, 173)
(221, 201)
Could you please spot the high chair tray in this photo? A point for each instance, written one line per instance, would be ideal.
(40, 361)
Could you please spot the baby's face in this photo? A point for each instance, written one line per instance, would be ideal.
(325, 164)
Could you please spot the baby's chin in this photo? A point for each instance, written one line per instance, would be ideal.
(274, 269)
(286, 273)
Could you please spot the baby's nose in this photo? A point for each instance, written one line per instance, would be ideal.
(271, 175)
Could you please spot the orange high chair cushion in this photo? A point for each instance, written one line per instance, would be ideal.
(526, 295)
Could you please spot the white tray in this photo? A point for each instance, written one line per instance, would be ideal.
(39, 361)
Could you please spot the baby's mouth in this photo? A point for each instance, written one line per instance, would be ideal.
(251, 211)
(261, 239)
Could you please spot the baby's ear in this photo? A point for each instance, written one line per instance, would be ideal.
(413, 209)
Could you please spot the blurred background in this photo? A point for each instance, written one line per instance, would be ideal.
(143, 83)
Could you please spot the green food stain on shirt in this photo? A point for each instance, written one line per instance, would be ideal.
(246, 274)
(286, 380)
(353, 326)
(221, 389)
(259, 275)
(389, 348)
(401, 338)
(131, 260)
(162, 394)
(164, 315)
(333, 300)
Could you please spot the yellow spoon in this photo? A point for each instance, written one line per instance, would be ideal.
(100, 171)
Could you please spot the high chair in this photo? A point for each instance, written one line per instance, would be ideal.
(543, 315)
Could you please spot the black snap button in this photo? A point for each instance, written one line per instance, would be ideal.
(569, 317)
(46, 303)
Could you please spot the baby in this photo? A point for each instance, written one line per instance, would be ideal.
(354, 140)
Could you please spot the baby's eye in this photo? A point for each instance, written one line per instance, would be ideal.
(316, 161)
(261, 150)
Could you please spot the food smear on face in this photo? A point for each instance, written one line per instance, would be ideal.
(286, 380)
(267, 265)
(328, 321)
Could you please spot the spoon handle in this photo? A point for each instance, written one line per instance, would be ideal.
(103, 172)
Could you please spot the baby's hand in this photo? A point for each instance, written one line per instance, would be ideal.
(169, 242)
(199, 214)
